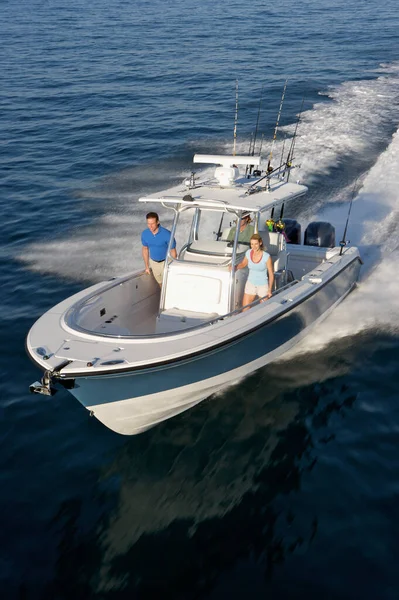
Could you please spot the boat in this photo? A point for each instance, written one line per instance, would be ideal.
(134, 353)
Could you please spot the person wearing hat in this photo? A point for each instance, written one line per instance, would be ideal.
(246, 230)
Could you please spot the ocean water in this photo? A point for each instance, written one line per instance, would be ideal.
(286, 484)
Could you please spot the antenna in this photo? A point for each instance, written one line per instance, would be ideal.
(235, 121)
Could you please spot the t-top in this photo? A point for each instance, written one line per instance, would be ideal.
(257, 270)
(157, 243)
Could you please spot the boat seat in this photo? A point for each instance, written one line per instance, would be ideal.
(175, 319)
(275, 244)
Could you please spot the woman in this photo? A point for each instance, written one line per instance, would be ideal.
(261, 275)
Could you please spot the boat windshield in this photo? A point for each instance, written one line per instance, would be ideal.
(213, 232)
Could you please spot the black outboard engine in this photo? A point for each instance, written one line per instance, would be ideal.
(320, 233)
(292, 231)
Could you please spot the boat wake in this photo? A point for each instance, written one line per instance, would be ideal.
(350, 128)
(358, 120)
(374, 228)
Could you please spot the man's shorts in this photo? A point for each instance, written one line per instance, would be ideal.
(256, 290)
(157, 270)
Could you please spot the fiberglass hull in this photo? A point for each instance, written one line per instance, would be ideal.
(131, 402)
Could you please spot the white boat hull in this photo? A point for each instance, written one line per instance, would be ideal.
(135, 354)
(121, 401)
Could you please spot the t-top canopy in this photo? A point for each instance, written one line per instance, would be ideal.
(226, 160)
(206, 203)
(225, 199)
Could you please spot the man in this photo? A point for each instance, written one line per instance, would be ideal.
(246, 230)
(155, 241)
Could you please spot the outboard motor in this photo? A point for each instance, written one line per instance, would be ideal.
(320, 233)
(292, 230)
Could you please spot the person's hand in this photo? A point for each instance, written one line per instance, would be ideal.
(268, 295)
(148, 270)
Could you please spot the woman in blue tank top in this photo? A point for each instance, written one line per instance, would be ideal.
(261, 274)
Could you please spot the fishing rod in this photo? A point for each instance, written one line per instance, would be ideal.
(252, 141)
(249, 151)
(344, 241)
(219, 231)
(277, 124)
(261, 143)
(282, 149)
(290, 156)
(256, 131)
(257, 121)
(253, 185)
(235, 121)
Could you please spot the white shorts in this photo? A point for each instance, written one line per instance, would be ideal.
(256, 290)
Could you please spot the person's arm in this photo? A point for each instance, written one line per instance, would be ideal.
(270, 275)
(173, 252)
(146, 257)
(240, 265)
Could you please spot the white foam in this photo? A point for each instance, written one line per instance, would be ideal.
(374, 227)
(349, 123)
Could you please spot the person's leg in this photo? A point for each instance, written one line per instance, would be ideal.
(157, 270)
(263, 291)
(248, 298)
(249, 294)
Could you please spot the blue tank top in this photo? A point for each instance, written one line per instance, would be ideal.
(257, 271)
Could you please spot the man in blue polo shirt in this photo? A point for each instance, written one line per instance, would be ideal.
(155, 241)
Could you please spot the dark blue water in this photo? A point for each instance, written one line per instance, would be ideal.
(285, 485)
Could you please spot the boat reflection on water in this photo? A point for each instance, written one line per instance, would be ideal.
(186, 501)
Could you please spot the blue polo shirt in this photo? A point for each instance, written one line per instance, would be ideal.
(157, 243)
